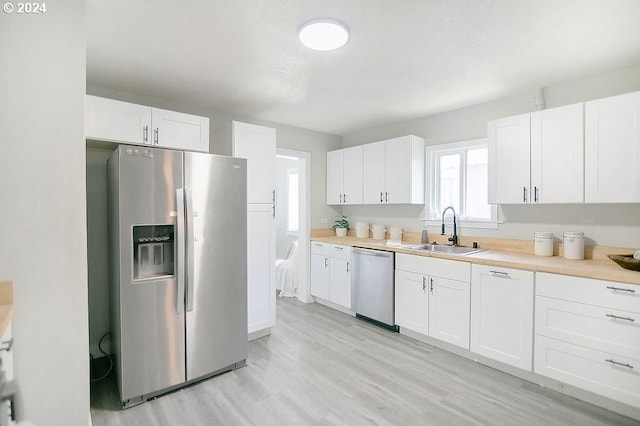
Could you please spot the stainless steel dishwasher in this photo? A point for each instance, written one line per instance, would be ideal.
(372, 286)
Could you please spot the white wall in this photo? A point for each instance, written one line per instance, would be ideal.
(43, 242)
(607, 225)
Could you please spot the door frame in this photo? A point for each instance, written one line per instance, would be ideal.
(304, 234)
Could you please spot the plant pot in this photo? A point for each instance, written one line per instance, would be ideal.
(341, 232)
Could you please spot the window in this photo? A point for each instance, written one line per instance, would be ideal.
(292, 200)
(458, 177)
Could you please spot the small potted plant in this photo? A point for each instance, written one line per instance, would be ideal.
(341, 226)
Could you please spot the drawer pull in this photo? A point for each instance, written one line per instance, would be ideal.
(424, 284)
(621, 289)
(504, 274)
(620, 318)
(6, 345)
(619, 363)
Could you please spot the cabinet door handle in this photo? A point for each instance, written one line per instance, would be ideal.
(340, 198)
(381, 197)
(344, 198)
(500, 273)
(326, 262)
(535, 194)
(7, 345)
(386, 197)
(622, 364)
(431, 285)
(620, 318)
(621, 289)
(156, 135)
(145, 133)
(347, 266)
(424, 284)
(338, 248)
(524, 194)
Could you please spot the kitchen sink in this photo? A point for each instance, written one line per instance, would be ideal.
(445, 249)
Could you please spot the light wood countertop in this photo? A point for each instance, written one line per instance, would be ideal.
(6, 305)
(512, 255)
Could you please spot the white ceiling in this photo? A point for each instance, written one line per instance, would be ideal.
(406, 58)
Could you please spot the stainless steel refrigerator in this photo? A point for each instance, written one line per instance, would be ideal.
(177, 235)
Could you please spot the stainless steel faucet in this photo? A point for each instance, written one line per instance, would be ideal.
(454, 237)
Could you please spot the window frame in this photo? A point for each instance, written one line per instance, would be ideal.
(433, 154)
(289, 172)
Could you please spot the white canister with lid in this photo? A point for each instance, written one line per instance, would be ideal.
(543, 243)
(573, 245)
(378, 232)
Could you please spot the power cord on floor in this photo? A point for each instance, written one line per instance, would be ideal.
(107, 355)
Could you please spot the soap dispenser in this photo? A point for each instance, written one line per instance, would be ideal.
(424, 239)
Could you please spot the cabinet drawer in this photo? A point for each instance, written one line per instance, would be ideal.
(599, 372)
(624, 297)
(452, 269)
(320, 248)
(341, 252)
(595, 327)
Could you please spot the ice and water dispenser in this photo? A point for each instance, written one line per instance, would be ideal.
(153, 251)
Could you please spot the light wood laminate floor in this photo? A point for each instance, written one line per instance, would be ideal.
(322, 367)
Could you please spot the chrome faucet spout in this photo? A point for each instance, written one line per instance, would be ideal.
(454, 237)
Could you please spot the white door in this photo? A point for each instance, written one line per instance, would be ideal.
(320, 276)
(449, 310)
(180, 131)
(352, 175)
(261, 260)
(612, 149)
(502, 315)
(412, 301)
(557, 155)
(258, 145)
(373, 173)
(509, 153)
(110, 120)
(335, 178)
(398, 170)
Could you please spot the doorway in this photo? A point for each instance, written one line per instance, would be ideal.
(293, 221)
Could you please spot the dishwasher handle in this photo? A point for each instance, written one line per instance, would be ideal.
(376, 253)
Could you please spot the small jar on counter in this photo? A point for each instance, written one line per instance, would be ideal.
(573, 245)
(543, 243)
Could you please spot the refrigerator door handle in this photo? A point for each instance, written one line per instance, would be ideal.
(180, 275)
(190, 237)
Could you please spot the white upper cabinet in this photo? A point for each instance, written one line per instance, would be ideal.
(509, 160)
(124, 122)
(612, 149)
(373, 171)
(344, 176)
(393, 171)
(258, 145)
(557, 155)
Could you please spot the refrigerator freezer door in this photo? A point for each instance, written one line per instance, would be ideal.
(149, 330)
(216, 324)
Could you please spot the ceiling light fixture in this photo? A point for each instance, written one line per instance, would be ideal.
(324, 34)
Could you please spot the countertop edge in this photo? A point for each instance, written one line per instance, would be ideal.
(587, 268)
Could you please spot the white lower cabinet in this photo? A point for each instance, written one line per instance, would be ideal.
(449, 310)
(320, 270)
(502, 315)
(331, 273)
(412, 301)
(588, 335)
(340, 276)
(432, 297)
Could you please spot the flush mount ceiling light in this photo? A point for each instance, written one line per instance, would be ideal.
(324, 34)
